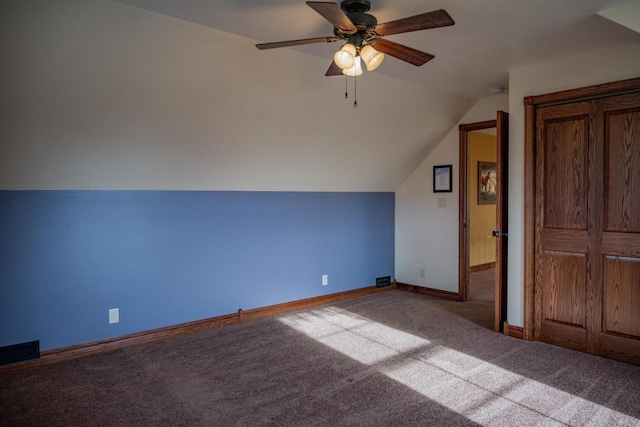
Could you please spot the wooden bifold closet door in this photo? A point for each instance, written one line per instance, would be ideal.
(587, 226)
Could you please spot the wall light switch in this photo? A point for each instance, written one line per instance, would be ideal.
(442, 202)
(325, 279)
(114, 315)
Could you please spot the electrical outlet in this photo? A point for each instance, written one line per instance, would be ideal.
(114, 315)
(423, 273)
(325, 279)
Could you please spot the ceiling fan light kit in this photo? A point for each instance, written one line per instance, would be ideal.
(348, 59)
(365, 37)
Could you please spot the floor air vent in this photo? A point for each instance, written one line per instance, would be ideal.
(383, 281)
(19, 352)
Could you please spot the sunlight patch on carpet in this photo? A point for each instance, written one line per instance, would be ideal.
(352, 335)
(479, 390)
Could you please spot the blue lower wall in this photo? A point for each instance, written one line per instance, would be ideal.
(168, 257)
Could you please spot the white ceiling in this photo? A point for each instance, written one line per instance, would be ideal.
(490, 37)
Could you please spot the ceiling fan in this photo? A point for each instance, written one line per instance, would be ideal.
(364, 36)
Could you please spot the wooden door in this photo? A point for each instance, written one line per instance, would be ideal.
(500, 233)
(562, 225)
(587, 243)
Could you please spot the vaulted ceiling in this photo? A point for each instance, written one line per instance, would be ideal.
(490, 37)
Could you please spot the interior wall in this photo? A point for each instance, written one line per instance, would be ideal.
(168, 257)
(599, 66)
(427, 235)
(482, 218)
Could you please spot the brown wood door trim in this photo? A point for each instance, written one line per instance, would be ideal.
(585, 93)
(529, 220)
(463, 217)
(531, 104)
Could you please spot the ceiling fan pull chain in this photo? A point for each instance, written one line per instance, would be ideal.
(355, 91)
(346, 90)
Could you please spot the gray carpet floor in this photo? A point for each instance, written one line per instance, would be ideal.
(388, 359)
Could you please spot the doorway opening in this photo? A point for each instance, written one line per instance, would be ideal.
(483, 214)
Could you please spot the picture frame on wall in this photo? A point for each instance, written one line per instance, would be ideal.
(442, 179)
(487, 183)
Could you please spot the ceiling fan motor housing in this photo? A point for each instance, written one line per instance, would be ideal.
(356, 12)
(362, 21)
(349, 6)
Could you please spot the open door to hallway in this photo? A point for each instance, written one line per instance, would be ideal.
(483, 210)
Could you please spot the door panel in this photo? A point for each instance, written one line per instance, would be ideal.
(622, 173)
(565, 288)
(621, 296)
(563, 300)
(565, 173)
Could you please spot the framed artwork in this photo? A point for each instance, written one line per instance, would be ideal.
(487, 183)
(442, 179)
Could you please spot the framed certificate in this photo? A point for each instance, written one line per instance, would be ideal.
(442, 179)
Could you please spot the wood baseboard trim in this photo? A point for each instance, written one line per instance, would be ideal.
(481, 267)
(513, 331)
(428, 291)
(109, 344)
(288, 307)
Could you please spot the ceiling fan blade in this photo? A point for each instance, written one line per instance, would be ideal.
(402, 52)
(274, 45)
(332, 13)
(334, 70)
(435, 19)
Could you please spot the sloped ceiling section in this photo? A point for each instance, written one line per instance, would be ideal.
(102, 95)
(627, 15)
(490, 37)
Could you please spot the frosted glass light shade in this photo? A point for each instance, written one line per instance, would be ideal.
(356, 70)
(345, 57)
(371, 57)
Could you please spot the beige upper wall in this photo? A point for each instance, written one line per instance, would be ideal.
(101, 95)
